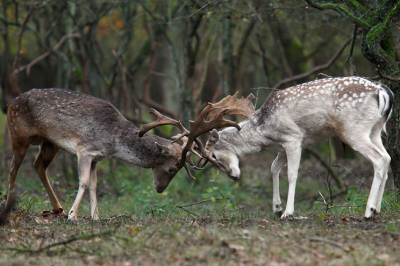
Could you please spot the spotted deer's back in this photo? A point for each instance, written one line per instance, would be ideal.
(331, 95)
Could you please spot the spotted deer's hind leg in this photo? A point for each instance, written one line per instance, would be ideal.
(377, 141)
(361, 142)
(46, 155)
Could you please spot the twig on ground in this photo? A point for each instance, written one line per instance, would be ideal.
(59, 243)
(183, 207)
(333, 243)
(119, 216)
(190, 205)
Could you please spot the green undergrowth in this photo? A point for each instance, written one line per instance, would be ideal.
(123, 189)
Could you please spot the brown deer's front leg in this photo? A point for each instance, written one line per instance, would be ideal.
(84, 166)
(92, 192)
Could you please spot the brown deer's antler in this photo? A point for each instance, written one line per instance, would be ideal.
(161, 121)
(211, 117)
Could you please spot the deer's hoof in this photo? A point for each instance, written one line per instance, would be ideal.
(287, 216)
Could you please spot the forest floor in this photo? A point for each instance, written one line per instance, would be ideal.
(208, 221)
(219, 239)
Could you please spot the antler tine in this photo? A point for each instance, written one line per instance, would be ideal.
(162, 120)
(196, 166)
(212, 117)
(188, 171)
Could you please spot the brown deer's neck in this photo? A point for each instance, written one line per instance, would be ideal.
(141, 151)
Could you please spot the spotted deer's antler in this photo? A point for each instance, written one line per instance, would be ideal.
(211, 117)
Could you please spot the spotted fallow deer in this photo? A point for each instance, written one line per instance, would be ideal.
(351, 108)
(94, 130)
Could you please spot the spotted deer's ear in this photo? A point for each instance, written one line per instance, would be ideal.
(167, 151)
(214, 137)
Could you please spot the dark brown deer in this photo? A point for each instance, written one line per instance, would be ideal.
(94, 130)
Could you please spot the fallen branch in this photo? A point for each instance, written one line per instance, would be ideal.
(201, 202)
(59, 243)
(46, 54)
(191, 204)
(333, 243)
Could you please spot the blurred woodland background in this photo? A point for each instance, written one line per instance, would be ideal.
(176, 55)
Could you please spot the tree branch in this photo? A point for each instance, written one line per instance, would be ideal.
(46, 54)
(324, 164)
(14, 76)
(315, 69)
(353, 41)
(342, 11)
(384, 76)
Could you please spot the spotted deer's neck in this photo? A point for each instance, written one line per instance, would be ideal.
(248, 140)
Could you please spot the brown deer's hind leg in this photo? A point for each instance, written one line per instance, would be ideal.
(46, 155)
(19, 151)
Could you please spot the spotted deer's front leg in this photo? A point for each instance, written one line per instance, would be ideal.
(84, 166)
(276, 167)
(293, 152)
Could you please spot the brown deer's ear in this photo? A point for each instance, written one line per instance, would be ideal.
(167, 151)
(214, 137)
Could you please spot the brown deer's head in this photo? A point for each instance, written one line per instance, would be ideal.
(210, 118)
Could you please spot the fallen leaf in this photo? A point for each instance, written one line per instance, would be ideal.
(41, 220)
(236, 247)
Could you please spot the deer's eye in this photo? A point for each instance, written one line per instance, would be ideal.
(171, 170)
(213, 156)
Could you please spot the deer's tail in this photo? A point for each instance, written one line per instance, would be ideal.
(385, 103)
